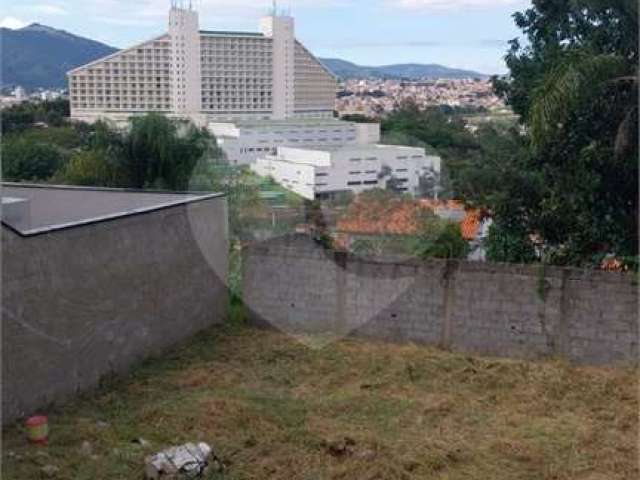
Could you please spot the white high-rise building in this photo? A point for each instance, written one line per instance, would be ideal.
(207, 75)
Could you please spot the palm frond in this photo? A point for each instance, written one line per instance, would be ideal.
(578, 78)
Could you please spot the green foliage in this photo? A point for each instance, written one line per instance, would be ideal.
(379, 245)
(24, 160)
(578, 78)
(21, 117)
(368, 246)
(446, 134)
(155, 152)
(438, 133)
(575, 86)
(439, 238)
(358, 118)
(90, 168)
(553, 29)
(509, 244)
(158, 152)
(64, 137)
(243, 197)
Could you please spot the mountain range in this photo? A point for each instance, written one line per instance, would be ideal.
(38, 56)
(345, 70)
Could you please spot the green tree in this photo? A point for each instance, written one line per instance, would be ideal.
(21, 117)
(155, 152)
(23, 160)
(90, 168)
(438, 133)
(509, 243)
(438, 238)
(158, 152)
(575, 86)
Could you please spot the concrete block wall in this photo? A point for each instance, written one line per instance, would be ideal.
(519, 311)
(87, 301)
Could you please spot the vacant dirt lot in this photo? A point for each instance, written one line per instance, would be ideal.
(275, 409)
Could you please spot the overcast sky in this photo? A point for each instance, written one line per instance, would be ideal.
(456, 33)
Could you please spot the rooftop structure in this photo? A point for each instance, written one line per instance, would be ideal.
(31, 209)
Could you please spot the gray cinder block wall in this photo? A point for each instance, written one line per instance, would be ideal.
(494, 309)
(86, 301)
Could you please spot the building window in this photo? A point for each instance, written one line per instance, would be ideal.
(353, 183)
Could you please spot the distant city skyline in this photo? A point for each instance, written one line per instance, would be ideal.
(470, 34)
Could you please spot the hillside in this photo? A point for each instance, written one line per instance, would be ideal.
(39, 56)
(344, 69)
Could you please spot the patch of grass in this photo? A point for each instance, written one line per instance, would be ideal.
(273, 408)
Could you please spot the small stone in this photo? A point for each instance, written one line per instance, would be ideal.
(86, 448)
(142, 442)
(49, 471)
(342, 447)
(366, 454)
(101, 424)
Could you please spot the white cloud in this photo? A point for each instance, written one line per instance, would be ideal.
(152, 14)
(444, 5)
(13, 23)
(159, 8)
(44, 9)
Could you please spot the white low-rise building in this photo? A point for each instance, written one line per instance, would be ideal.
(326, 171)
(245, 142)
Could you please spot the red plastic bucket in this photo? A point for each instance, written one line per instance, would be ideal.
(38, 429)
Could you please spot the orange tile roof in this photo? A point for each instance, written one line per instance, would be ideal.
(394, 217)
(470, 225)
(401, 216)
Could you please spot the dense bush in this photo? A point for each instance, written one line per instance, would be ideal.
(24, 160)
(438, 238)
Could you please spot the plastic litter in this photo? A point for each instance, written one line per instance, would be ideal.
(186, 462)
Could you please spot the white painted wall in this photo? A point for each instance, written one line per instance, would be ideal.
(354, 168)
(367, 133)
(245, 143)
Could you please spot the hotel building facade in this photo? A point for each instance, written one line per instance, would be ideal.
(207, 75)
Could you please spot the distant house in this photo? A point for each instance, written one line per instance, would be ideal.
(97, 279)
(402, 217)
